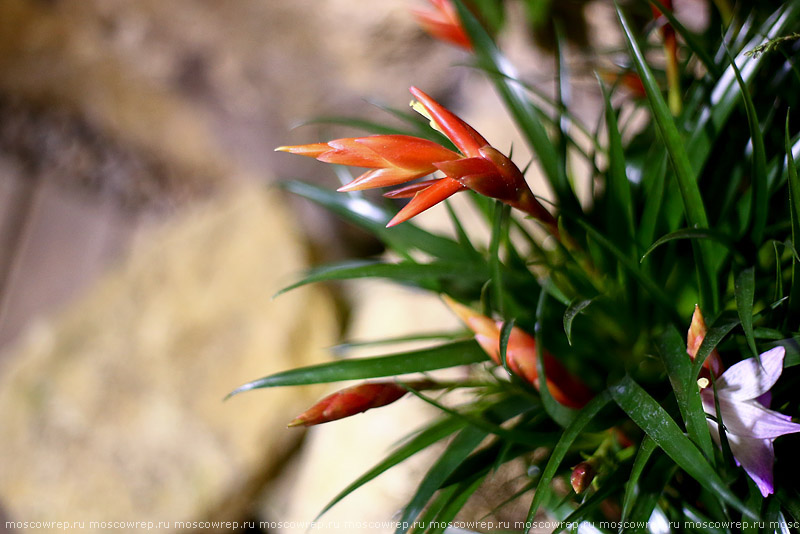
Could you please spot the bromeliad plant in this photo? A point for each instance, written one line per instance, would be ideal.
(580, 340)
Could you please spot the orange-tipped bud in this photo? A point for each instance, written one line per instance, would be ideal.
(395, 159)
(442, 22)
(697, 332)
(582, 476)
(521, 356)
(354, 400)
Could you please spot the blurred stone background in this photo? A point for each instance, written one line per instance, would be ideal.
(141, 244)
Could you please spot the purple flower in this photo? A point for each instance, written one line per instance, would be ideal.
(751, 427)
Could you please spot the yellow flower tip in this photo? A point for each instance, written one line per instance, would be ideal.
(463, 312)
(312, 150)
(417, 106)
(703, 383)
(486, 331)
(299, 421)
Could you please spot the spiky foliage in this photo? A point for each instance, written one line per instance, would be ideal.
(702, 207)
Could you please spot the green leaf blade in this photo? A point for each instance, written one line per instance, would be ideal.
(689, 233)
(619, 188)
(646, 449)
(571, 432)
(648, 414)
(759, 202)
(433, 434)
(744, 292)
(794, 211)
(685, 174)
(402, 272)
(525, 114)
(672, 349)
(457, 451)
(441, 357)
(373, 219)
(575, 307)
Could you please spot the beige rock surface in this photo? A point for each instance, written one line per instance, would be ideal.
(114, 412)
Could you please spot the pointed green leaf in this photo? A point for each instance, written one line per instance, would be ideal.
(561, 414)
(654, 182)
(525, 114)
(725, 94)
(672, 350)
(459, 497)
(373, 219)
(744, 291)
(571, 432)
(716, 332)
(342, 348)
(648, 414)
(441, 357)
(651, 489)
(620, 206)
(646, 449)
(505, 335)
(690, 233)
(459, 449)
(686, 177)
(794, 211)
(437, 505)
(430, 435)
(463, 238)
(400, 272)
(522, 437)
(575, 307)
(758, 174)
(631, 266)
(499, 229)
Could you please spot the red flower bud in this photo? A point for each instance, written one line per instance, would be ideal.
(521, 357)
(582, 476)
(697, 332)
(354, 400)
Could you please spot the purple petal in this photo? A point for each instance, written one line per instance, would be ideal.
(765, 399)
(751, 419)
(747, 379)
(757, 457)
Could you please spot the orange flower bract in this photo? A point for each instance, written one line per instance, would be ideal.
(442, 22)
(521, 357)
(398, 159)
